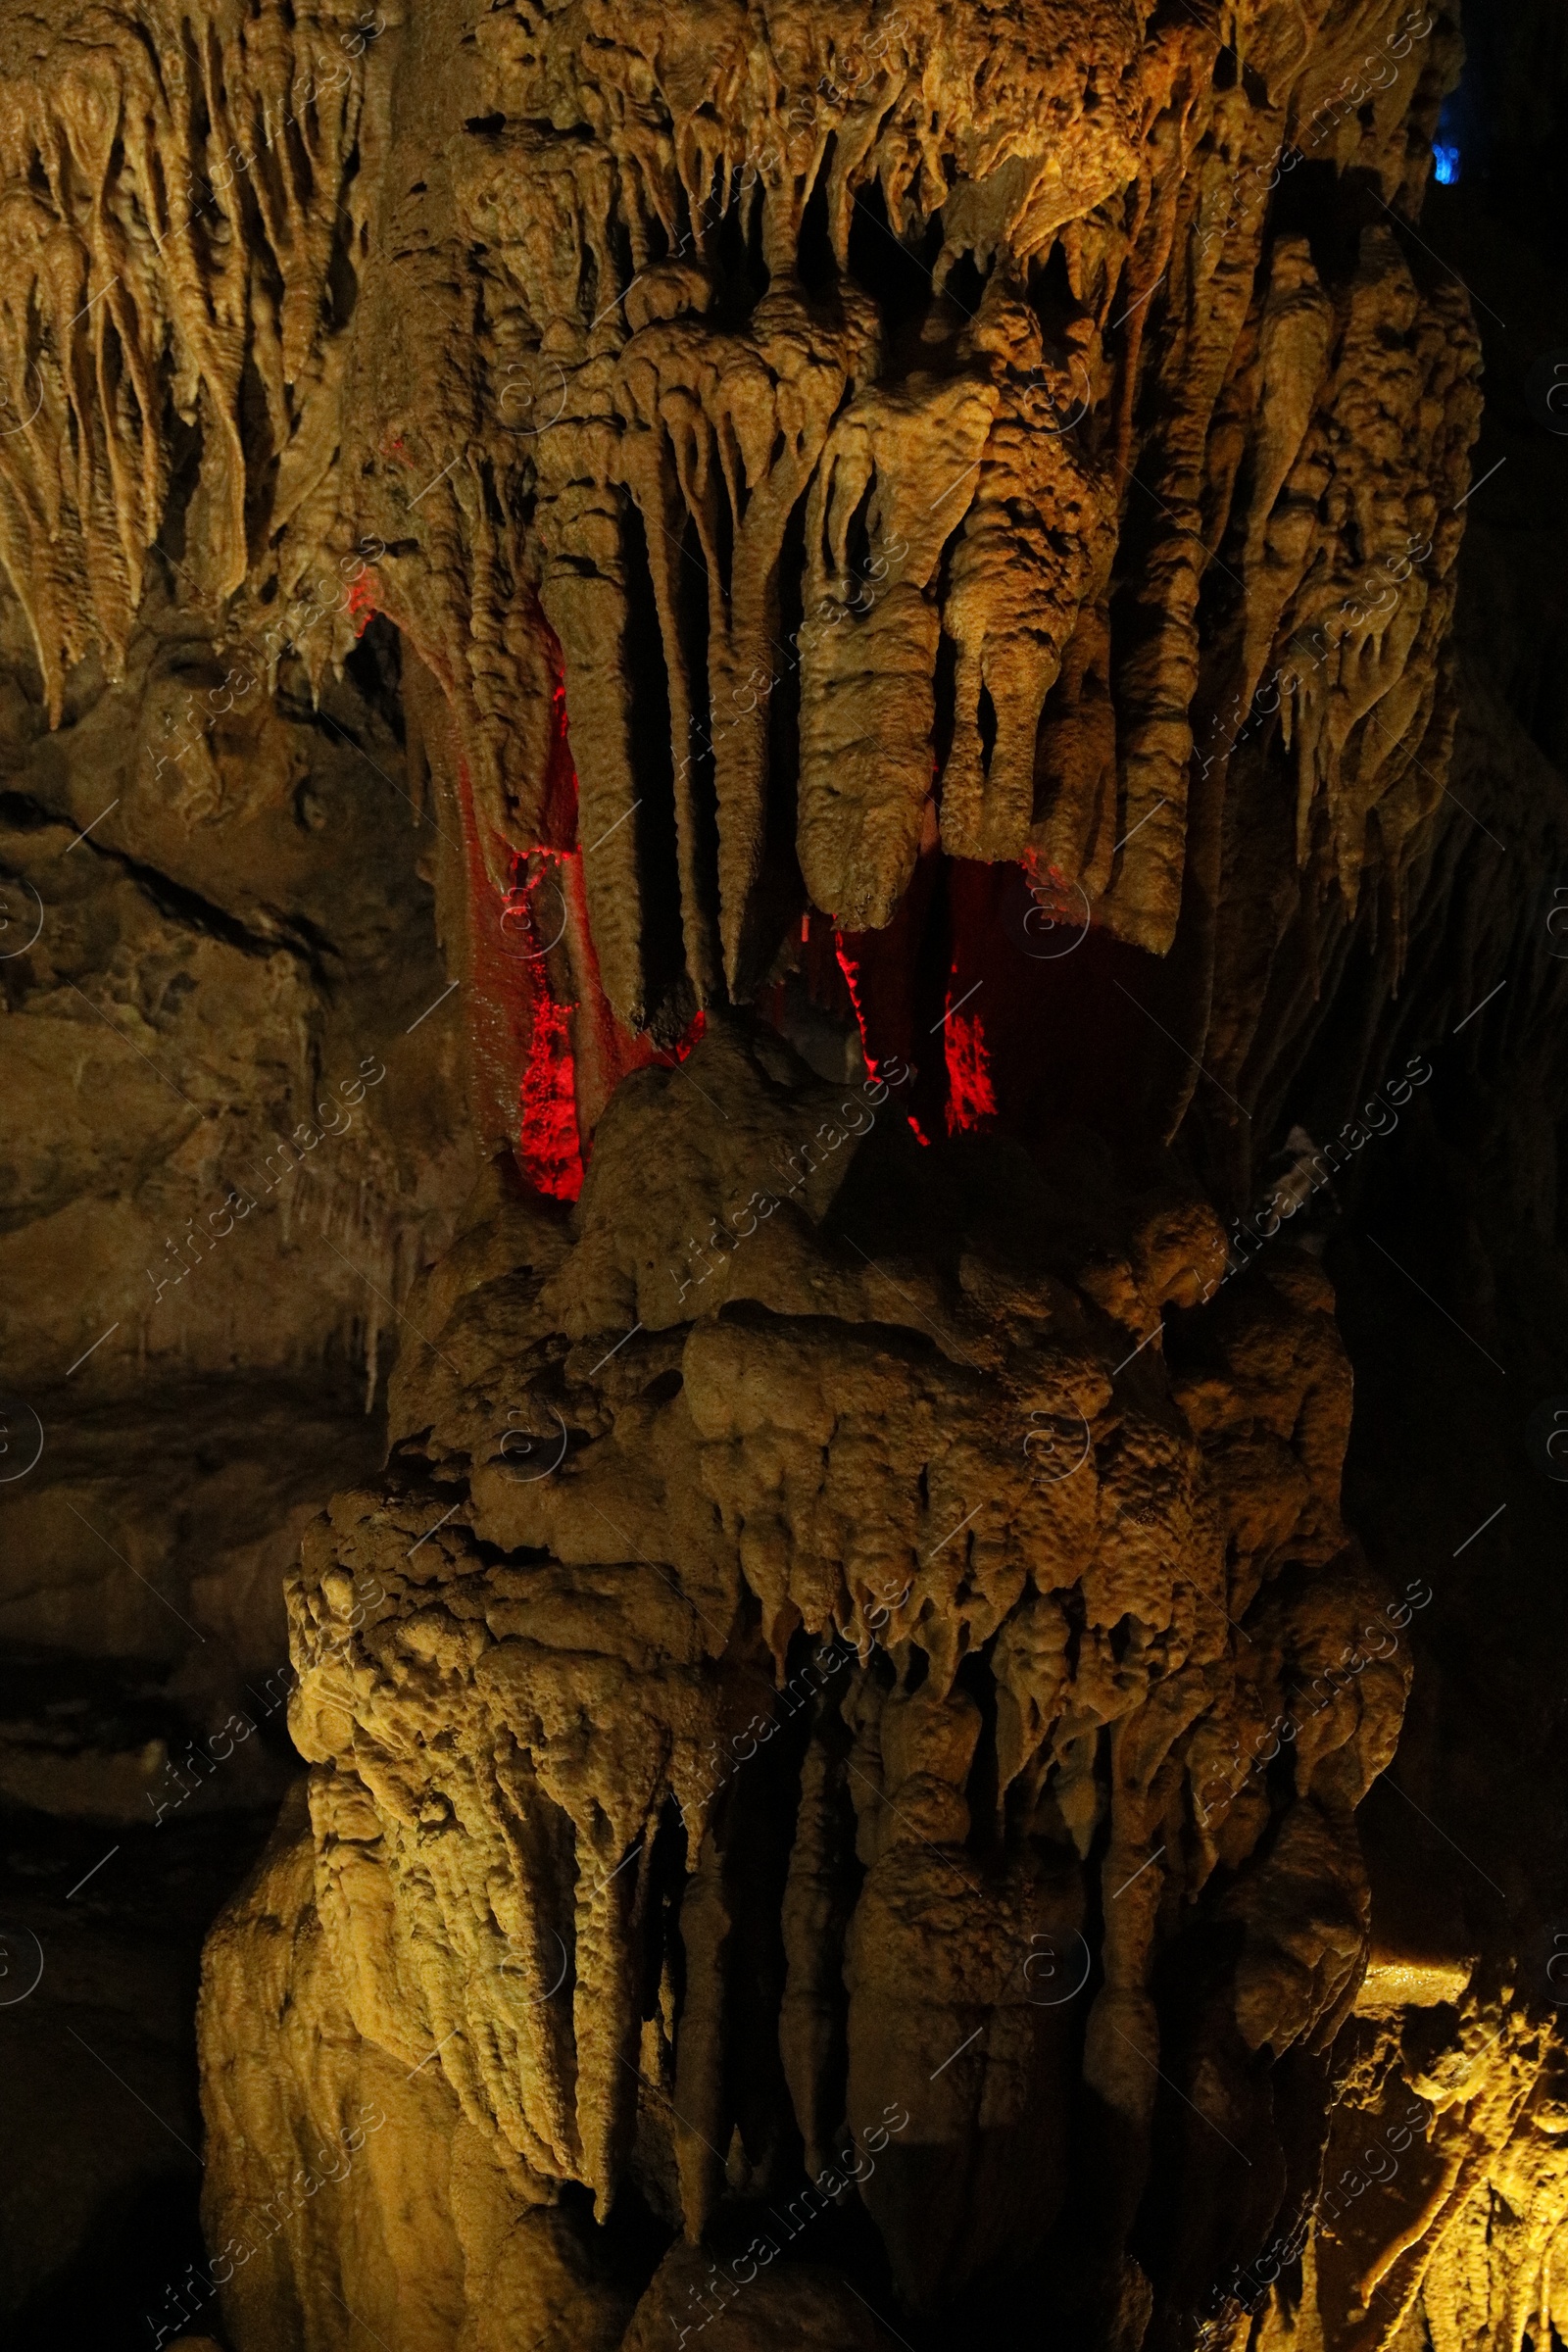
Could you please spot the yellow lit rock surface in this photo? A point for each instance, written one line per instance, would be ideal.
(846, 1628)
(950, 1537)
(753, 344)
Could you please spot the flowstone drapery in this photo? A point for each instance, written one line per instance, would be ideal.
(862, 432)
(926, 535)
(861, 1672)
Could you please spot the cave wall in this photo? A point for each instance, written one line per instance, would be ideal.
(733, 744)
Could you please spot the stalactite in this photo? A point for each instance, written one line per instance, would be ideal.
(1007, 1500)
(812, 456)
(571, 407)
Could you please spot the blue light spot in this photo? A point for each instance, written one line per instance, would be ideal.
(1445, 161)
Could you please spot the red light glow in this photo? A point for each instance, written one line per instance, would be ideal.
(362, 603)
(548, 1146)
(849, 966)
(971, 1097)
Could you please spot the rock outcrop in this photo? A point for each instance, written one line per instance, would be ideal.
(855, 432)
(865, 1668)
(901, 559)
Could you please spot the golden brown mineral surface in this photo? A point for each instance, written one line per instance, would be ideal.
(903, 555)
(768, 1707)
(874, 420)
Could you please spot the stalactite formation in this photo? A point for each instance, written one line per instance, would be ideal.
(1018, 1595)
(814, 393)
(904, 557)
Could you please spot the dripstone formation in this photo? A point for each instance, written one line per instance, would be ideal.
(906, 556)
(857, 435)
(919, 1530)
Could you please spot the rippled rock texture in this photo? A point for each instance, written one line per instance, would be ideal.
(904, 557)
(843, 1693)
(859, 430)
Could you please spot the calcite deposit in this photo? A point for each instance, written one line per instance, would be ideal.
(870, 1670)
(900, 562)
(854, 429)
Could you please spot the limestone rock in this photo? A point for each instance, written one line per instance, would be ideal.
(808, 1530)
(849, 1693)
